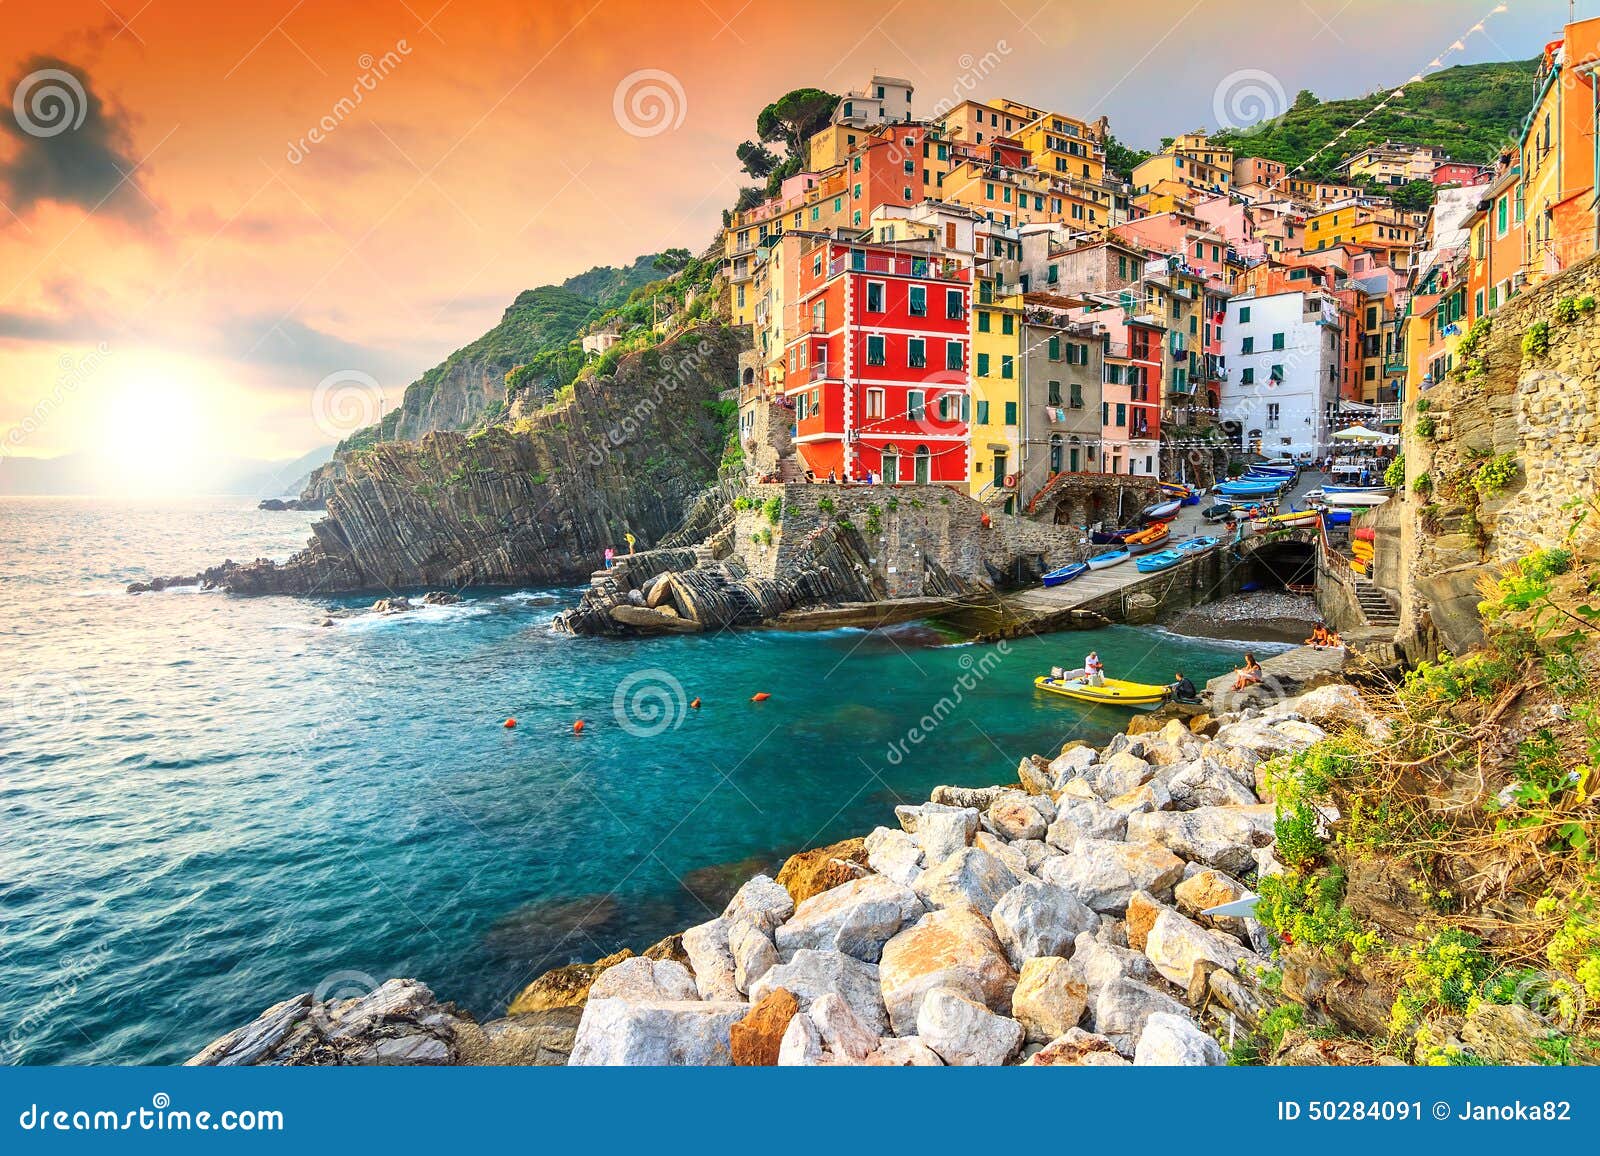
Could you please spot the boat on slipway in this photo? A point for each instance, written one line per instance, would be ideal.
(1108, 559)
(1066, 573)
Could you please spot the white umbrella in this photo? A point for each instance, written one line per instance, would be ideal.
(1360, 433)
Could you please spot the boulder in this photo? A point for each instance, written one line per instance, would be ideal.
(1123, 1006)
(1100, 963)
(1152, 796)
(964, 1032)
(1076, 1048)
(566, 986)
(1050, 998)
(1212, 888)
(1034, 853)
(763, 901)
(755, 1040)
(968, 877)
(939, 830)
(754, 953)
(1174, 1041)
(1036, 918)
(645, 979)
(654, 1034)
(1104, 875)
(856, 918)
(1176, 945)
(1141, 917)
(1014, 816)
(537, 1039)
(811, 872)
(801, 1046)
(1202, 782)
(956, 948)
(1085, 819)
(1220, 837)
(1119, 774)
(711, 957)
(1035, 775)
(904, 1052)
(811, 975)
(842, 1033)
(894, 854)
(1013, 855)
(978, 798)
(1070, 764)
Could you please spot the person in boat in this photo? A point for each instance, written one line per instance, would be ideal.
(1250, 675)
(1183, 688)
(1094, 670)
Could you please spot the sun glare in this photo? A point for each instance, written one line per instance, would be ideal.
(153, 430)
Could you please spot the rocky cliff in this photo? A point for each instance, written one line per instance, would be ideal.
(536, 502)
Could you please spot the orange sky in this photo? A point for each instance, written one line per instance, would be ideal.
(239, 263)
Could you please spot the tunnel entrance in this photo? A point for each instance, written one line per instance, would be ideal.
(1278, 565)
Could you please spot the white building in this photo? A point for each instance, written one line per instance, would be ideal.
(1283, 380)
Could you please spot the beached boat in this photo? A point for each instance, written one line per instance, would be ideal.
(1160, 512)
(1161, 560)
(1246, 489)
(1285, 521)
(1329, 489)
(1112, 692)
(1220, 512)
(1361, 499)
(1336, 517)
(1193, 546)
(1112, 537)
(1065, 573)
(1147, 540)
(1108, 559)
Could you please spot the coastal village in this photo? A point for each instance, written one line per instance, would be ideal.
(1375, 851)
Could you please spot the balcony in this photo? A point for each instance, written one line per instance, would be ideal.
(822, 371)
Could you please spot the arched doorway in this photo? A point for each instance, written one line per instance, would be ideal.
(1055, 453)
(891, 464)
(924, 465)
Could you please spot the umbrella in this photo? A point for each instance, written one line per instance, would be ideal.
(1360, 433)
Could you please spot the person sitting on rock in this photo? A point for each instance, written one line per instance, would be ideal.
(1183, 688)
(1250, 675)
(1319, 636)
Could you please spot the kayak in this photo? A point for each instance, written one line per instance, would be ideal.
(1163, 560)
(1065, 573)
(1144, 543)
(1114, 691)
(1109, 558)
(1249, 489)
(1193, 546)
(1160, 511)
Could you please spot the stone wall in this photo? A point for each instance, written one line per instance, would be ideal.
(1545, 409)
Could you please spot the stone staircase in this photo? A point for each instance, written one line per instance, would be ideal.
(790, 469)
(1376, 605)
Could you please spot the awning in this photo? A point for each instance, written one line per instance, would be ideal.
(1360, 433)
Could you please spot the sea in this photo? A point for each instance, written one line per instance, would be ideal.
(210, 803)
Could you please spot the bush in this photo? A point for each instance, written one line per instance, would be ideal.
(1448, 972)
(1308, 908)
(1536, 342)
(1495, 475)
(1425, 426)
(1422, 485)
(1299, 845)
(1395, 475)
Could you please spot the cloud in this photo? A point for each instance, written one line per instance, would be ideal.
(298, 351)
(64, 145)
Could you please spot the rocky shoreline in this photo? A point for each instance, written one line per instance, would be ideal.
(1070, 917)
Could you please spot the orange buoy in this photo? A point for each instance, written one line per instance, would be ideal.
(694, 704)
(762, 697)
(577, 727)
(510, 722)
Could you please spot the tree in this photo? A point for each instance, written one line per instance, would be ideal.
(794, 117)
(757, 160)
(1121, 158)
(1305, 99)
(671, 260)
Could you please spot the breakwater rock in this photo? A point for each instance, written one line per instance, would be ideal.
(1067, 918)
(538, 501)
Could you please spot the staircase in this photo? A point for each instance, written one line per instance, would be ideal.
(790, 469)
(1376, 605)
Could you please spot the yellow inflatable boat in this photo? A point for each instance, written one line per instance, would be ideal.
(1112, 692)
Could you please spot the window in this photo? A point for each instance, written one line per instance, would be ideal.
(983, 321)
(875, 403)
(917, 353)
(983, 413)
(1076, 397)
(1011, 413)
(1105, 413)
(1007, 325)
(953, 309)
(1247, 376)
(983, 365)
(916, 405)
(1055, 393)
(819, 316)
(945, 402)
(1122, 414)
(952, 355)
(1244, 314)
(875, 292)
(1277, 373)
(1272, 415)
(1277, 341)
(1055, 348)
(875, 351)
(1007, 365)
(918, 300)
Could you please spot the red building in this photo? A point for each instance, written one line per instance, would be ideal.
(879, 377)
(1457, 173)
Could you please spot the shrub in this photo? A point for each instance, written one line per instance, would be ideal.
(1448, 972)
(1567, 310)
(773, 509)
(1425, 426)
(1395, 475)
(1495, 475)
(1308, 908)
(1424, 404)
(1536, 342)
(1422, 485)
(1299, 845)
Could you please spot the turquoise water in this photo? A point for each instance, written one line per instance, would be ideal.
(212, 803)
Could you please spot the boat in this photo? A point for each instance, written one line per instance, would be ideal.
(1249, 489)
(1065, 573)
(1329, 489)
(1161, 511)
(1112, 537)
(1147, 540)
(1364, 498)
(1185, 494)
(1220, 512)
(1286, 521)
(1161, 560)
(1112, 691)
(1108, 559)
(1336, 518)
(1193, 546)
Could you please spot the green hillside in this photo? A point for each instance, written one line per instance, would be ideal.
(1472, 111)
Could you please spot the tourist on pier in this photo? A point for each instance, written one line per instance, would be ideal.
(1094, 670)
(1183, 688)
(1250, 675)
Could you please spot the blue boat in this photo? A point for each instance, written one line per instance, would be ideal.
(1336, 518)
(1329, 489)
(1249, 489)
(1065, 573)
(1109, 558)
(1193, 546)
(1162, 560)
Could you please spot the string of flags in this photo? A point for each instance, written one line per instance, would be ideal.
(1458, 45)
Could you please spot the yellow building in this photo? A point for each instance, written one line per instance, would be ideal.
(996, 389)
(1367, 226)
(1064, 147)
(1190, 160)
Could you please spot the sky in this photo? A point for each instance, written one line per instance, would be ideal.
(210, 212)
